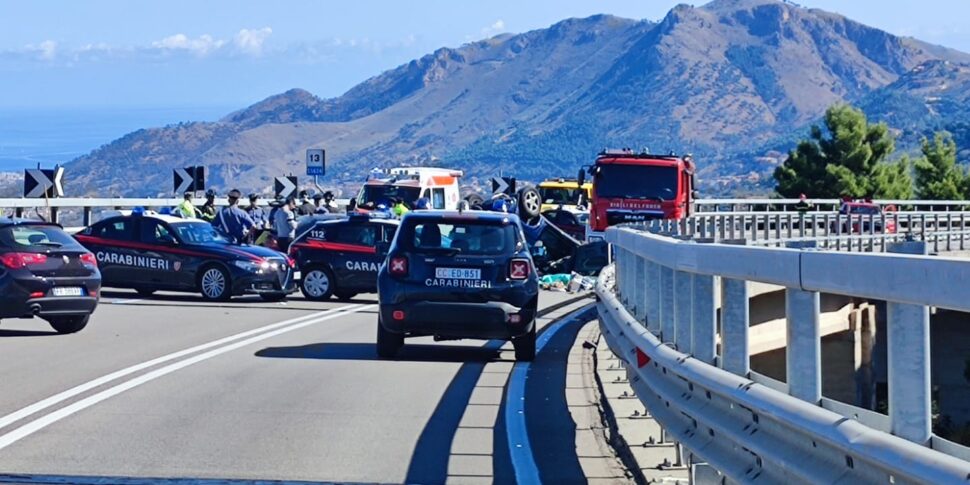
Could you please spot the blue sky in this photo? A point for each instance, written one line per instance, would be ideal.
(231, 53)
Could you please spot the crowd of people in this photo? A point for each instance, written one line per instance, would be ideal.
(254, 223)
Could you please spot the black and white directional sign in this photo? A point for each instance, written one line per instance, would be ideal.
(188, 179)
(43, 183)
(316, 161)
(503, 185)
(285, 186)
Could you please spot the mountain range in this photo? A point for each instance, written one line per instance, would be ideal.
(735, 82)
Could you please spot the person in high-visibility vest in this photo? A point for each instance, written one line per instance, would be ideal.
(187, 209)
(400, 209)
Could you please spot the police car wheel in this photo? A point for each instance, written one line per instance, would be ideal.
(214, 284)
(388, 343)
(317, 284)
(69, 324)
(525, 346)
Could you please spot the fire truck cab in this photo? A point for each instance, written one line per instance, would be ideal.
(383, 186)
(636, 187)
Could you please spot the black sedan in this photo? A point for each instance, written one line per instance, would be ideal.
(148, 253)
(46, 273)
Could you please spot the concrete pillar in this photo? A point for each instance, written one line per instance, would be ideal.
(908, 354)
(683, 310)
(804, 347)
(667, 323)
(704, 319)
(735, 356)
(654, 286)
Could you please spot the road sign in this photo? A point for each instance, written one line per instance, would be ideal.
(503, 185)
(285, 186)
(188, 179)
(43, 183)
(316, 161)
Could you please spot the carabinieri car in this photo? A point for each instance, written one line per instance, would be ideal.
(46, 273)
(340, 255)
(149, 252)
(455, 275)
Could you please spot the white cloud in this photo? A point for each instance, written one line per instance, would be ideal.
(496, 28)
(250, 41)
(201, 46)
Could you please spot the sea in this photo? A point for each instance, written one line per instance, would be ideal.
(54, 136)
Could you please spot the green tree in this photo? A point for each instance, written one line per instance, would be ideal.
(938, 177)
(848, 158)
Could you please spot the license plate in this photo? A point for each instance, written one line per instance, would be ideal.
(458, 273)
(67, 291)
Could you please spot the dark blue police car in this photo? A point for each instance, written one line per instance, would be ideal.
(46, 273)
(149, 252)
(455, 275)
(340, 255)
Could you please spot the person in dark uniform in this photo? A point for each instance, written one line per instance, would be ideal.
(318, 207)
(306, 206)
(256, 213)
(233, 221)
(208, 210)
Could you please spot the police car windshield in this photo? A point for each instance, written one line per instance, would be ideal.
(36, 237)
(198, 233)
(470, 238)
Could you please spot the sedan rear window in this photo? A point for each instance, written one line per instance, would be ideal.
(461, 237)
(35, 237)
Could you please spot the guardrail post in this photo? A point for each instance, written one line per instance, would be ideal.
(804, 353)
(653, 297)
(639, 289)
(53, 215)
(87, 216)
(18, 212)
(683, 308)
(667, 323)
(704, 320)
(734, 326)
(908, 343)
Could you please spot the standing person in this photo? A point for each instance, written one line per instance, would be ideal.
(803, 205)
(208, 211)
(306, 207)
(233, 221)
(400, 208)
(284, 224)
(187, 209)
(256, 213)
(328, 202)
(318, 207)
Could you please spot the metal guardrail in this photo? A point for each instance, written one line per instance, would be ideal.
(660, 317)
(89, 207)
(789, 205)
(943, 231)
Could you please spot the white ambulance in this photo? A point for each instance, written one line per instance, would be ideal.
(384, 186)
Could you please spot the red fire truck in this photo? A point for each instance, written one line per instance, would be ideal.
(636, 187)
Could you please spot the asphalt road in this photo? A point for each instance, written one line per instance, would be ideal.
(174, 387)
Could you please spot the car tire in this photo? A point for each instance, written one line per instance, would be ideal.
(525, 346)
(144, 292)
(345, 295)
(317, 284)
(474, 199)
(529, 203)
(215, 284)
(68, 324)
(388, 343)
(273, 297)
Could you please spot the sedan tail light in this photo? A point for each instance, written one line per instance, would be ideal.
(519, 269)
(22, 260)
(88, 259)
(398, 266)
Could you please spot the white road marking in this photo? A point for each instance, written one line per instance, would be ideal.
(126, 301)
(48, 419)
(58, 398)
